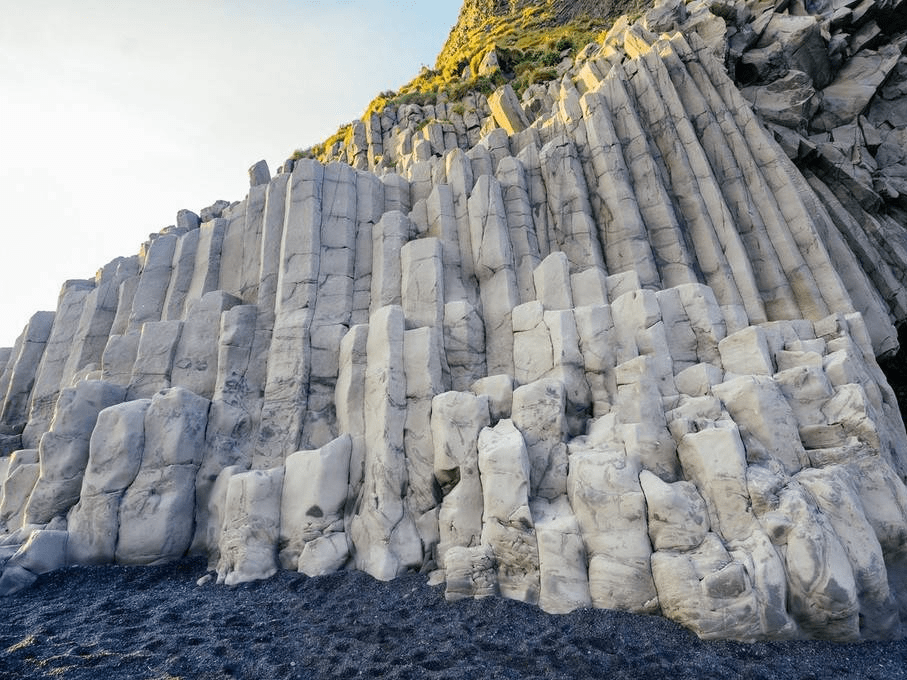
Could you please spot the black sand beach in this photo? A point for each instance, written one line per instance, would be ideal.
(155, 623)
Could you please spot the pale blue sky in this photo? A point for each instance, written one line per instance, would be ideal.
(115, 115)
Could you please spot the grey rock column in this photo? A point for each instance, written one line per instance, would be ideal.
(494, 268)
(49, 373)
(21, 372)
(183, 271)
(289, 357)
(383, 528)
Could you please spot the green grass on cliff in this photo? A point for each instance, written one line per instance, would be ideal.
(529, 45)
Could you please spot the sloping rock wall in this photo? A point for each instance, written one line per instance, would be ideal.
(621, 358)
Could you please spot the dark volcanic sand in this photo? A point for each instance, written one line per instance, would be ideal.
(155, 622)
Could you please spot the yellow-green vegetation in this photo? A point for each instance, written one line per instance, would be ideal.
(320, 151)
(530, 42)
(529, 46)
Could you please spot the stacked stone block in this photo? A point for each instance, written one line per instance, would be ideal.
(613, 358)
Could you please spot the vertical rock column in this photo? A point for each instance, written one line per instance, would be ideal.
(349, 400)
(289, 357)
(595, 328)
(183, 272)
(568, 199)
(232, 418)
(148, 303)
(19, 376)
(64, 450)
(442, 224)
(563, 574)
(493, 254)
(780, 176)
(206, 272)
(388, 238)
(154, 358)
(623, 232)
(707, 244)
(506, 521)
(383, 528)
(158, 508)
(231, 253)
(369, 209)
(98, 316)
(334, 301)
(787, 284)
(248, 541)
(21, 475)
(253, 232)
(538, 199)
(460, 179)
(49, 373)
(604, 492)
(315, 488)
(195, 355)
(665, 235)
(423, 357)
(523, 237)
(457, 418)
(115, 456)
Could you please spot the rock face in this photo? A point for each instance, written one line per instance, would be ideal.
(609, 348)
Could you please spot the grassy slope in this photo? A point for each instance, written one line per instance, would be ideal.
(531, 39)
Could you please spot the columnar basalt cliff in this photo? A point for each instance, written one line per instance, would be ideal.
(610, 344)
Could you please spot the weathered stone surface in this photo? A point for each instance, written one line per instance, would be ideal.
(259, 174)
(383, 528)
(538, 413)
(115, 457)
(790, 101)
(676, 513)
(155, 352)
(44, 551)
(470, 573)
(767, 423)
(464, 338)
(22, 473)
(457, 418)
(855, 84)
(506, 109)
(506, 520)
(604, 492)
(50, 373)
(19, 375)
(248, 542)
(802, 44)
(64, 450)
(148, 303)
(606, 346)
(195, 355)
(157, 510)
(315, 489)
(564, 578)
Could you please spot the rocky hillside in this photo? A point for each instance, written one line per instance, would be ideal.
(478, 17)
(577, 321)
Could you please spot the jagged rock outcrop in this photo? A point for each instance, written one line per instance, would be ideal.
(608, 346)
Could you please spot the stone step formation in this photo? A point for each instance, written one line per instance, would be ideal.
(608, 347)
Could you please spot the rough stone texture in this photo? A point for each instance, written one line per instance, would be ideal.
(506, 520)
(383, 528)
(613, 345)
(114, 459)
(64, 450)
(248, 541)
(315, 489)
(157, 509)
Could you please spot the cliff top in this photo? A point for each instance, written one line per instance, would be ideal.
(481, 21)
